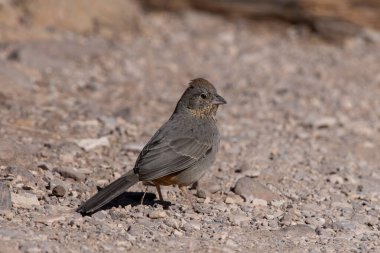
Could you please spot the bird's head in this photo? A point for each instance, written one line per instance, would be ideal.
(201, 99)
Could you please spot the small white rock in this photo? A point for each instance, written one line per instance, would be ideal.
(239, 219)
(157, 214)
(325, 122)
(172, 223)
(277, 203)
(89, 144)
(192, 225)
(231, 243)
(24, 200)
(259, 202)
(229, 200)
(207, 200)
(335, 179)
(177, 233)
(48, 220)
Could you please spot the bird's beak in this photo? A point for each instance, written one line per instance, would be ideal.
(218, 100)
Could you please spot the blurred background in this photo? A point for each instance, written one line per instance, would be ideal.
(85, 83)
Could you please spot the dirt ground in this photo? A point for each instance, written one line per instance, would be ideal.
(299, 164)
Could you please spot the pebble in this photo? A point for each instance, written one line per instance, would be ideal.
(277, 203)
(287, 219)
(177, 233)
(201, 194)
(325, 122)
(70, 173)
(298, 230)
(207, 200)
(259, 202)
(239, 219)
(213, 188)
(59, 191)
(250, 188)
(251, 173)
(101, 215)
(192, 225)
(231, 243)
(44, 166)
(273, 223)
(172, 223)
(344, 225)
(315, 221)
(336, 179)
(90, 144)
(229, 200)
(157, 214)
(48, 220)
(24, 200)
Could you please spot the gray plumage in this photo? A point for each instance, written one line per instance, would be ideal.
(179, 152)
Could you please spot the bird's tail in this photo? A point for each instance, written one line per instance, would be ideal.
(108, 193)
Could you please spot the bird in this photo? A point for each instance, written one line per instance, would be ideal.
(179, 153)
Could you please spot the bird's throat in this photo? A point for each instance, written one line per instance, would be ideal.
(207, 112)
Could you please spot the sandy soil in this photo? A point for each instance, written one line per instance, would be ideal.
(299, 164)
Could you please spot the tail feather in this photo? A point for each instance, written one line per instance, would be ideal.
(110, 192)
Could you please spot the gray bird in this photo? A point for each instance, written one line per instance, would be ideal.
(179, 153)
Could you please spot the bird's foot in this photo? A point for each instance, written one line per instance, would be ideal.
(163, 203)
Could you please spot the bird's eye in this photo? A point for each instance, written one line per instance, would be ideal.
(204, 96)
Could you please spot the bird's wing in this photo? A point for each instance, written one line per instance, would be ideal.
(165, 155)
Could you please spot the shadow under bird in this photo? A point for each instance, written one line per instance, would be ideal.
(179, 153)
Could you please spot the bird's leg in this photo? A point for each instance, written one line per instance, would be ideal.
(164, 203)
(159, 193)
(142, 199)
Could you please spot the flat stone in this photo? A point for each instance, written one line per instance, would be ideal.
(239, 219)
(90, 144)
(172, 223)
(24, 200)
(325, 122)
(298, 230)
(49, 219)
(251, 188)
(192, 225)
(336, 179)
(344, 225)
(231, 243)
(259, 202)
(101, 215)
(229, 200)
(177, 233)
(157, 214)
(70, 173)
(315, 221)
(273, 223)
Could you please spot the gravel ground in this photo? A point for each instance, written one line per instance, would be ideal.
(298, 168)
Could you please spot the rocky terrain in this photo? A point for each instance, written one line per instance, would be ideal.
(299, 163)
